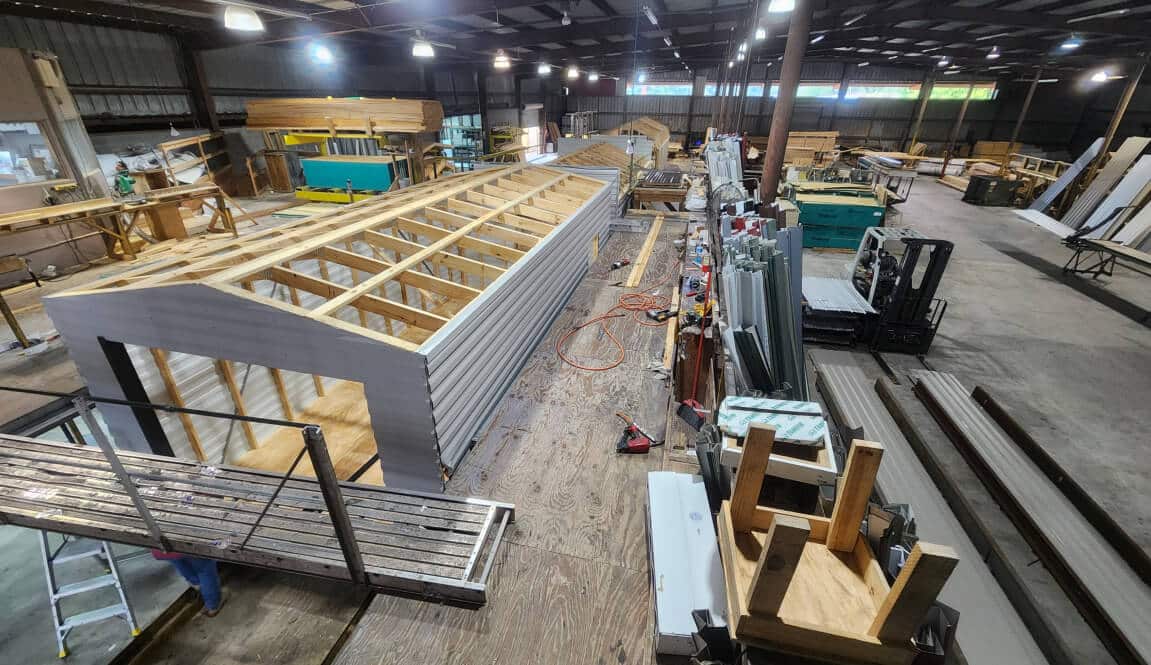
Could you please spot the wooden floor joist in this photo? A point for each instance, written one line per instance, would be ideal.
(637, 270)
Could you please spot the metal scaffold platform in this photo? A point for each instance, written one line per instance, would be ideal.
(428, 545)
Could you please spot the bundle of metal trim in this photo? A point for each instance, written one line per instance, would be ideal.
(762, 314)
(990, 630)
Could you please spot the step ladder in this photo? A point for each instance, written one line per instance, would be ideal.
(76, 549)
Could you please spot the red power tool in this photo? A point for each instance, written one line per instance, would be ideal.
(634, 440)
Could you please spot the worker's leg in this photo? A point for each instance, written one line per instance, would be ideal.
(209, 582)
(187, 570)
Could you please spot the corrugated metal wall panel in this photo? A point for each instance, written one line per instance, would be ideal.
(96, 55)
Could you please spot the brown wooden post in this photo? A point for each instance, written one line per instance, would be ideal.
(1116, 118)
(797, 35)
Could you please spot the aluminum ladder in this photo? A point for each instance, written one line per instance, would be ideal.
(86, 549)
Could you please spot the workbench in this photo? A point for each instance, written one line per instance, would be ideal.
(116, 219)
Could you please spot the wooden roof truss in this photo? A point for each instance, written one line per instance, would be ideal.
(398, 267)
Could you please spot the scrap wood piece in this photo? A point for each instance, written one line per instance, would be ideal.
(637, 270)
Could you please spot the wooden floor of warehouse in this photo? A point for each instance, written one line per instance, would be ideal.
(571, 583)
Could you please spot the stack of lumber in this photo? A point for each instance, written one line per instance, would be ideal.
(811, 585)
(803, 148)
(995, 151)
(353, 114)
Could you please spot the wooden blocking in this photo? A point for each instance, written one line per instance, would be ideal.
(854, 492)
(749, 480)
(777, 563)
(916, 588)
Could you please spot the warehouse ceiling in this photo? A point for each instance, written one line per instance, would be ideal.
(618, 35)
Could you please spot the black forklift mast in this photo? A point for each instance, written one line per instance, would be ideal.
(909, 321)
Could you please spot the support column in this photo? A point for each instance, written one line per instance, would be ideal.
(1117, 117)
(1019, 121)
(797, 35)
(481, 80)
(203, 104)
(920, 108)
(955, 131)
(691, 109)
(429, 77)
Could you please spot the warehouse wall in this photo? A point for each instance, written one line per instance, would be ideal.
(1064, 118)
(135, 79)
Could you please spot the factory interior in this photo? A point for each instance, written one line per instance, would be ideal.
(575, 332)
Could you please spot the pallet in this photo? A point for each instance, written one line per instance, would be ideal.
(810, 585)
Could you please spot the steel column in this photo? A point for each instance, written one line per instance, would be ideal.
(1116, 118)
(797, 35)
(920, 108)
(1019, 121)
(955, 131)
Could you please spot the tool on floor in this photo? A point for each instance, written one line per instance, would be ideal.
(621, 263)
(661, 315)
(76, 549)
(634, 440)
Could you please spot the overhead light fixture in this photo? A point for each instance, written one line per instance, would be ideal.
(566, 19)
(543, 69)
(573, 72)
(892, 57)
(1110, 12)
(667, 40)
(743, 47)
(862, 64)
(730, 64)
(944, 61)
(739, 57)
(993, 54)
(949, 72)
(322, 54)
(422, 48)
(1071, 43)
(997, 35)
(593, 76)
(1100, 76)
(760, 33)
(780, 6)
(1048, 80)
(818, 38)
(853, 20)
(676, 54)
(650, 16)
(501, 61)
(994, 67)
(242, 19)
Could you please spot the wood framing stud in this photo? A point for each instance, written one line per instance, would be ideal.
(749, 479)
(854, 493)
(777, 563)
(914, 591)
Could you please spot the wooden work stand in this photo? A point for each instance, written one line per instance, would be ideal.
(810, 585)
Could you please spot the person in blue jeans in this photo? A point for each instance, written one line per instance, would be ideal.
(201, 574)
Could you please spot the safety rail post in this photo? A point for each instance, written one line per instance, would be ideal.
(334, 499)
(85, 410)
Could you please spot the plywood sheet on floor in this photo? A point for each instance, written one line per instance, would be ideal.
(571, 585)
(342, 414)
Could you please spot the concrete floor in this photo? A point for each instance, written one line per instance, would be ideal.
(1069, 358)
(26, 636)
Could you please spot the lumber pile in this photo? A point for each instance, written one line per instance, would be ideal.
(811, 585)
(356, 114)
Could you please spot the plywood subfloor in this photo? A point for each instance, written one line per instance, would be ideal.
(342, 414)
(572, 584)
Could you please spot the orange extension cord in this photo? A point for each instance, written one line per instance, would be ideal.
(638, 303)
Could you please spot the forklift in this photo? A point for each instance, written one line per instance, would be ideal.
(892, 281)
